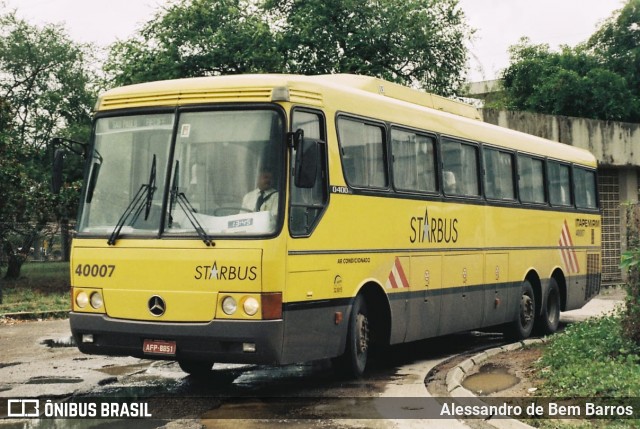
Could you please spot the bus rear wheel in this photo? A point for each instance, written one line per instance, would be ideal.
(354, 360)
(549, 318)
(522, 326)
(196, 367)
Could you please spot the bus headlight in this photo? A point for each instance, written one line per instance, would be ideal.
(229, 306)
(96, 300)
(82, 299)
(251, 306)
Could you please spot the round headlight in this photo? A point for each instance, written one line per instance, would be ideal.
(82, 299)
(251, 306)
(96, 300)
(229, 305)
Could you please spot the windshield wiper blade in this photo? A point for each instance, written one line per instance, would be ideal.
(142, 200)
(151, 189)
(187, 208)
(173, 195)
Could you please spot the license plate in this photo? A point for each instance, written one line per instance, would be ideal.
(159, 347)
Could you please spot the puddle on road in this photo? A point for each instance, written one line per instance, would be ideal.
(54, 380)
(490, 379)
(124, 369)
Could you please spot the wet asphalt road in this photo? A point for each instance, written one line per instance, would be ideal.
(37, 359)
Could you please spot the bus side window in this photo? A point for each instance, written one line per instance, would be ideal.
(531, 179)
(559, 184)
(308, 203)
(461, 160)
(362, 148)
(585, 189)
(414, 161)
(498, 176)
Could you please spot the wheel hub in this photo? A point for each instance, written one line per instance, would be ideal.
(526, 310)
(363, 333)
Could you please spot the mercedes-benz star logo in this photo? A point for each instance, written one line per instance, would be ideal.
(157, 306)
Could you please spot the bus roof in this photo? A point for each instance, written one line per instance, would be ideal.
(362, 95)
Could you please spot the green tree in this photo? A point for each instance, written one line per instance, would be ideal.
(414, 42)
(572, 82)
(599, 79)
(419, 43)
(45, 79)
(617, 43)
(196, 38)
(45, 90)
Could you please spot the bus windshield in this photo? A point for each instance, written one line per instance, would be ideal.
(225, 175)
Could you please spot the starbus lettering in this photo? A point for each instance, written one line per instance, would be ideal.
(225, 272)
(425, 229)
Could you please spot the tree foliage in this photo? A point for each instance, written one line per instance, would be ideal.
(617, 42)
(418, 43)
(45, 90)
(196, 38)
(44, 80)
(415, 42)
(599, 79)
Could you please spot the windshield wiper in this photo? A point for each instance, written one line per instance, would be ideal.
(189, 211)
(141, 201)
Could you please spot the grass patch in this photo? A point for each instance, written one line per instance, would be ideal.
(42, 287)
(594, 360)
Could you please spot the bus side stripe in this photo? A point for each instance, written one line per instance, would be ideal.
(403, 277)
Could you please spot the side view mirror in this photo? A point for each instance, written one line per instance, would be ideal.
(306, 166)
(61, 146)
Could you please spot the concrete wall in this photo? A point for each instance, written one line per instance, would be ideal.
(613, 143)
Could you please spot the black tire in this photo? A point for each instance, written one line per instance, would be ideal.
(549, 318)
(522, 326)
(354, 360)
(196, 367)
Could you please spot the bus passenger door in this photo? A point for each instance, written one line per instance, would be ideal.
(496, 303)
(426, 284)
(462, 278)
(311, 331)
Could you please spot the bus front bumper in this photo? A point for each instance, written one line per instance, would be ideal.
(228, 341)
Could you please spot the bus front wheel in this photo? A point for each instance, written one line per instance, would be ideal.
(354, 360)
(522, 326)
(196, 367)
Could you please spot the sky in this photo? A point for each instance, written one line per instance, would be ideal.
(498, 23)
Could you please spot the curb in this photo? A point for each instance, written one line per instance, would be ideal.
(456, 375)
(35, 315)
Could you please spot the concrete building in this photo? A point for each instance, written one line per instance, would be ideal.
(616, 145)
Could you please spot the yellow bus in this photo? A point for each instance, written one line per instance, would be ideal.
(276, 219)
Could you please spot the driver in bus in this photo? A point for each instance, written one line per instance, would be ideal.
(264, 197)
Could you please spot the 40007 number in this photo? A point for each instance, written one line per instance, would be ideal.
(95, 270)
